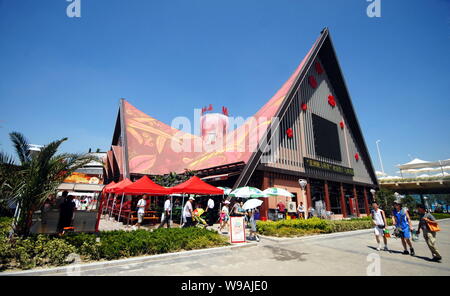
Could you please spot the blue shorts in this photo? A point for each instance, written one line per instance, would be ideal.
(405, 233)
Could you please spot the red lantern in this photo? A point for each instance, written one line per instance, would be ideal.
(289, 133)
(304, 107)
(319, 68)
(356, 156)
(312, 82)
(331, 101)
(342, 124)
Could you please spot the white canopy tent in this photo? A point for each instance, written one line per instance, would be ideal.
(420, 166)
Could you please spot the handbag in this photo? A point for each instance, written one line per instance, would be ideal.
(433, 226)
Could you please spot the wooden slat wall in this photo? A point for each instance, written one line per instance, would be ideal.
(292, 151)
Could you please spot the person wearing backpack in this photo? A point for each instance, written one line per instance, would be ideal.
(379, 221)
(402, 222)
(429, 231)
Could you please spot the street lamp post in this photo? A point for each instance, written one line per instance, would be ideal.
(303, 183)
(373, 194)
(379, 156)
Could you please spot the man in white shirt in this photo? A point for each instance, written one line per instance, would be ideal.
(379, 223)
(77, 203)
(165, 217)
(142, 203)
(187, 212)
(301, 211)
(210, 211)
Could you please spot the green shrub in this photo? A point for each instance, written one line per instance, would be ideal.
(42, 250)
(439, 216)
(299, 227)
(5, 225)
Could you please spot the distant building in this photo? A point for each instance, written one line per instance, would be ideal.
(34, 149)
(88, 179)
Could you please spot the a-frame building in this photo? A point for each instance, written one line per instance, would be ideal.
(311, 133)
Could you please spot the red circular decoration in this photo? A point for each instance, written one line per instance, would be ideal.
(342, 124)
(312, 81)
(356, 156)
(304, 107)
(319, 68)
(289, 133)
(331, 101)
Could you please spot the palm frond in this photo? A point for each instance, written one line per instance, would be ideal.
(6, 159)
(21, 146)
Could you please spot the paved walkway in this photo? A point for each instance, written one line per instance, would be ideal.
(335, 254)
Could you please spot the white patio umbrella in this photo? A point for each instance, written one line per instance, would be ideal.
(247, 192)
(252, 204)
(274, 191)
(226, 190)
(444, 174)
(423, 176)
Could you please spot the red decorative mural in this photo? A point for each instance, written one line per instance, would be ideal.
(150, 141)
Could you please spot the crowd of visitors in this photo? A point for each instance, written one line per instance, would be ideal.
(404, 230)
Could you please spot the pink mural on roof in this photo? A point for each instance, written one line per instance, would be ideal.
(150, 142)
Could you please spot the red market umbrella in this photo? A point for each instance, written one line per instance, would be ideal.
(145, 186)
(195, 186)
(118, 188)
(107, 187)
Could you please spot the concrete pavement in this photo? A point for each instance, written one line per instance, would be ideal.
(350, 253)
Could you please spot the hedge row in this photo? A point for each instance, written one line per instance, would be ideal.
(44, 250)
(299, 227)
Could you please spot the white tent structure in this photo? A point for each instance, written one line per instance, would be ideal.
(421, 166)
(378, 173)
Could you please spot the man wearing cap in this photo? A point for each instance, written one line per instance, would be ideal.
(428, 235)
(187, 213)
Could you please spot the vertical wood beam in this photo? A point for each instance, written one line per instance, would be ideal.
(327, 196)
(366, 201)
(343, 206)
(355, 196)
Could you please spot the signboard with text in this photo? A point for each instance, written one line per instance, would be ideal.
(329, 167)
(237, 230)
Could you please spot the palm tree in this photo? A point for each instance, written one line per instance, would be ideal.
(31, 180)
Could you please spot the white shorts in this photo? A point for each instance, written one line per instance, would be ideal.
(140, 217)
(378, 230)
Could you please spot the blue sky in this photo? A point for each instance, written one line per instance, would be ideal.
(63, 77)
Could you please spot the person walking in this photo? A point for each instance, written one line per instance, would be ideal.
(165, 217)
(210, 211)
(301, 211)
(403, 226)
(311, 213)
(66, 212)
(224, 215)
(142, 203)
(379, 222)
(252, 222)
(281, 210)
(428, 234)
(187, 213)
